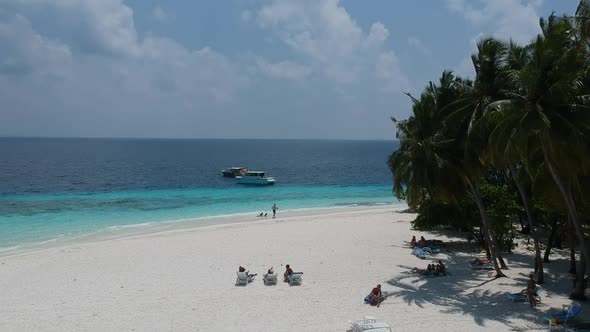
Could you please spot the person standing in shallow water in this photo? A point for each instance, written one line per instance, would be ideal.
(274, 210)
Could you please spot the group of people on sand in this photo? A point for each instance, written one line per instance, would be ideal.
(288, 272)
(435, 269)
(274, 209)
(423, 242)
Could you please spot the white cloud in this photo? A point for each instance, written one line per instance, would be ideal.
(101, 26)
(109, 54)
(160, 14)
(377, 35)
(93, 74)
(329, 38)
(23, 51)
(417, 44)
(283, 70)
(516, 19)
(388, 70)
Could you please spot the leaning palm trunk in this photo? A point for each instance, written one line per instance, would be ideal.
(475, 195)
(565, 190)
(526, 202)
(550, 241)
(580, 285)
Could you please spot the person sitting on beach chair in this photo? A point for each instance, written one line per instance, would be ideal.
(413, 242)
(250, 276)
(422, 242)
(288, 272)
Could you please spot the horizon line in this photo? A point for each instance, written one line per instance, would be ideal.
(196, 138)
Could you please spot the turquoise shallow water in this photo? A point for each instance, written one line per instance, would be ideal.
(59, 189)
(30, 219)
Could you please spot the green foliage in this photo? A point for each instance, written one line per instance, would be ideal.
(432, 214)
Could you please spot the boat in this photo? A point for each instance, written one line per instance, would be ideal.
(233, 172)
(255, 177)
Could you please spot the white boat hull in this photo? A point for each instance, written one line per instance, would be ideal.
(256, 180)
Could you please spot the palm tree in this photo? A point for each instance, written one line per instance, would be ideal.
(418, 166)
(505, 155)
(546, 112)
(488, 87)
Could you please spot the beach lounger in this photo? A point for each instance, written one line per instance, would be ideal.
(520, 297)
(420, 253)
(431, 250)
(369, 324)
(295, 278)
(568, 313)
(270, 279)
(242, 279)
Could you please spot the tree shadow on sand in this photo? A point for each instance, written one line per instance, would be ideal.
(458, 296)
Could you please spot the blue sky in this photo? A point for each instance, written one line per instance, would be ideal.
(236, 68)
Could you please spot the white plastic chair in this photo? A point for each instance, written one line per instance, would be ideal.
(270, 279)
(242, 279)
(295, 278)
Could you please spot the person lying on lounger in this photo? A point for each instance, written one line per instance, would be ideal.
(480, 261)
(425, 272)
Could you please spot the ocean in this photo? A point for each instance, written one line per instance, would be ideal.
(60, 189)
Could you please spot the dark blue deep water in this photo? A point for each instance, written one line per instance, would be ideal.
(55, 188)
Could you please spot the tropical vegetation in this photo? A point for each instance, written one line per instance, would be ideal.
(512, 144)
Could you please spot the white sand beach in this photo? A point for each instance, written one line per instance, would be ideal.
(183, 280)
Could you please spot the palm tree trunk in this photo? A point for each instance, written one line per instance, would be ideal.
(572, 244)
(578, 293)
(476, 197)
(566, 192)
(526, 202)
(550, 241)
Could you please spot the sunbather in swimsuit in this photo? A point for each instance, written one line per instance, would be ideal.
(376, 295)
(287, 273)
(480, 261)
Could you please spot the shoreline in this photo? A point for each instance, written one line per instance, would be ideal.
(155, 227)
(184, 279)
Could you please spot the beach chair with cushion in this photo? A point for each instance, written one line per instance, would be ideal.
(270, 279)
(520, 297)
(420, 253)
(295, 278)
(567, 313)
(242, 279)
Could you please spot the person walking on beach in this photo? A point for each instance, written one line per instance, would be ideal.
(274, 210)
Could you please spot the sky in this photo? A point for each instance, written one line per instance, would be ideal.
(305, 69)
